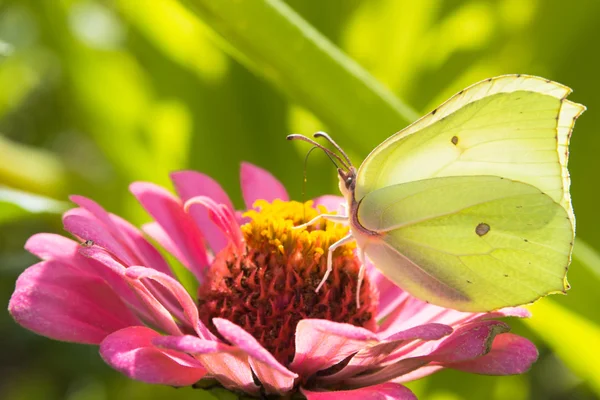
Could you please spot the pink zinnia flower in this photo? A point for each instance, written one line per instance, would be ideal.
(256, 324)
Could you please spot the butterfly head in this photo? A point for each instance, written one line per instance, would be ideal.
(347, 181)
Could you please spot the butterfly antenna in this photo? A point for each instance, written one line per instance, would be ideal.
(337, 146)
(344, 162)
(305, 180)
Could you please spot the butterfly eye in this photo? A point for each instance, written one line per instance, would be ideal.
(349, 181)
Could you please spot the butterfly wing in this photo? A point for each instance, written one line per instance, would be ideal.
(514, 127)
(473, 243)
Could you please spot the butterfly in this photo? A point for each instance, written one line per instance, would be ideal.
(468, 207)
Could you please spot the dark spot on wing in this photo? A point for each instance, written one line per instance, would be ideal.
(489, 79)
(519, 206)
(526, 240)
(518, 75)
(461, 92)
(482, 229)
(434, 111)
(468, 281)
(454, 140)
(506, 275)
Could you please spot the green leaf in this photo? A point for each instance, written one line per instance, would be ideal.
(278, 44)
(16, 204)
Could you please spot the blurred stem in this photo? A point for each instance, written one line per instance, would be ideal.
(587, 256)
(278, 44)
(31, 169)
(575, 339)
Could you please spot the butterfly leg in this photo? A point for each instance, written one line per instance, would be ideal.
(340, 219)
(361, 275)
(341, 242)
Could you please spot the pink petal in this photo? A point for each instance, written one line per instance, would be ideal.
(409, 311)
(228, 364)
(145, 252)
(390, 296)
(222, 217)
(418, 373)
(49, 246)
(64, 303)
(178, 292)
(83, 224)
(131, 352)
(128, 236)
(372, 356)
(469, 341)
(384, 391)
(331, 203)
(258, 183)
(191, 184)
(321, 344)
(156, 232)
(510, 354)
(168, 211)
(157, 315)
(275, 377)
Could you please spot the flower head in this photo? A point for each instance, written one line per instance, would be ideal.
(256, 324)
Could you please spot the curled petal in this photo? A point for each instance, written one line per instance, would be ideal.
(168, 211)
(372, 356)
(321, 344)
(146, 253)
(178, 292)
(133, 248)
(83, 224)
(469, 341)
(131, 352)
(221, 216)
(258, 183)
(275, 377)
(63, 303)
(384, 391)
(191, 184)
(466, 343)
(156, 312)
(227, 364)
(510, 354)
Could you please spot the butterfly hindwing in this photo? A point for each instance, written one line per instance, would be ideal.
(474, 243)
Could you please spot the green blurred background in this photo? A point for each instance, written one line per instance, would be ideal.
(97, 94)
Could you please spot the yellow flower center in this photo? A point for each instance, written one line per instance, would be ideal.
(271, 287)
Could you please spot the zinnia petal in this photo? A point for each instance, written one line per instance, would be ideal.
(178, 292)
(275, 377)
(131, 352)
(228, 364)
(321, 344)
(372, 356)
(510, 354)
(168, 211)
(127, 235)
(332, 203)
(384, 391)
(191, 184)
(258, 183)
(64, 303)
